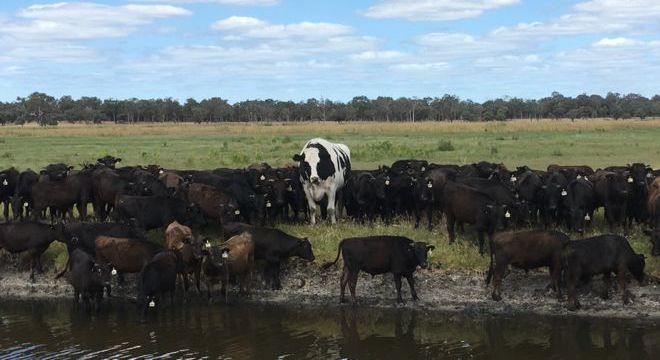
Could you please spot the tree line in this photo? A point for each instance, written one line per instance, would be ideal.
(45, 110)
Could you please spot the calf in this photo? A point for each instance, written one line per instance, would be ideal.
(526, 250)
(639, 177)
(611, 191)
(324, 168)
(8, 181)
(233, 258)
(603, 254)
(88, 278)
(33, 237)
(214, 204)
(180, 237)
(360, 196)
(379, 255)
(21, 201)
(580, 204)
(528, 187)
(158, 279)
(108, 161)
(465, 204)
(272, 246)
(553, 192)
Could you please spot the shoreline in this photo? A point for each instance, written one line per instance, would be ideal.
(439, 291)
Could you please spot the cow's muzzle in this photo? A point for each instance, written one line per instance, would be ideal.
(315, 180)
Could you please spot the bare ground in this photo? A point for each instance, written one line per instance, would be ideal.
(304, 284)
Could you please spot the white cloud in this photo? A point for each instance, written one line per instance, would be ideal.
(437, 10)
(222, 2)
(375, 55)
(238, 27)
(81, 21)
(616, 42)
(420, 66)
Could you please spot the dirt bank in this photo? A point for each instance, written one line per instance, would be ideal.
(303, 284)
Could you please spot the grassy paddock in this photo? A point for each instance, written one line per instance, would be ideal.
(597, 143)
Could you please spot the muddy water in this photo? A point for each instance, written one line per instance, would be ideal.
(56, 329)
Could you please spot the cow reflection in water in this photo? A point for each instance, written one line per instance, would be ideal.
(380, 346)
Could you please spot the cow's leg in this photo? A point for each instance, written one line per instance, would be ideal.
(573, 278)
(352, 283)
(311, 204)
(480, 234)
(555, 274)
(397, 284)
(451, 222)
(344, 281)
(331, 207)
(621, 278)
(607, 284)
(429, 216)
(498, 274)
(411, 283)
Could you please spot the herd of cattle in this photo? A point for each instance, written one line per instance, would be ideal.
(245, 203)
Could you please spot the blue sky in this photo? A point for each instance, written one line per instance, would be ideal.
(295, 49)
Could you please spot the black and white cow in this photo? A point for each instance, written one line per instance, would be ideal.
(324, 168)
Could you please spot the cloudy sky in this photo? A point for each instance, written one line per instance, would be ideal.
(296, 49)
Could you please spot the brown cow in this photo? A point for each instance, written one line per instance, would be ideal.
(233, 258)
(172, 181)
(526, 250)
(653, 203)
(126, 255)
(180, 237)
(214, 203)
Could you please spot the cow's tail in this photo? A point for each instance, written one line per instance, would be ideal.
(490, 266)
(329, 264)
(63, 271)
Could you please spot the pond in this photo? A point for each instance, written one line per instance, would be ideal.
(58, 329)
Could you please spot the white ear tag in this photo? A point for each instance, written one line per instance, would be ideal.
(262, 178)
(207, 244)
(4, 182)
(429, 185)
(564, 193)
(152, 304)
(587, 217)
(630, 179)
(289, 188)
(237, 212)
(160, 171)
(648, 175)
(225, 255)
(387, 182)
(268, 204)
(113, 272)
(423, 168)
(513, 179)
(507, 214)
(25, 204)
(579, 176)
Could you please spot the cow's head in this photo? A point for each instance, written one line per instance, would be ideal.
(303, 249)
(277, 189)
(56, 172)
(640, 175)
(494, 216)
(101, 273)
(618, 184)
(654, 236)
(422, 251)
(579, 218)
(315, 164)
(109, 161)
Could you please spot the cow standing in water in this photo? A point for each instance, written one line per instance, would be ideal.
(324, 168)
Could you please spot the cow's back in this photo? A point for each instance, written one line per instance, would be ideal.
(373, 254)
(241, 252)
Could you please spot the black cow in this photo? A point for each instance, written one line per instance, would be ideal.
(88, 278)
(56, 172)
(516, 209)
(21, 201)
(612, 193)
(639, 177)
(413, 168)
(108, 161)
(580, 203)
(465, 204)
(158, 279)
(654, 236)
(360, 195)
(8, 181)
(153, 212)
(273, 246)
(27, 236)
(526, 250)
(528, 187)
(603, 254)
(379, 255)
(553, 193)
(62, 193)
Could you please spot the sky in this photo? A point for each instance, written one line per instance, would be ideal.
(335, 49)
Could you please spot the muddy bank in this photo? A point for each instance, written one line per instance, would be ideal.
(439, 290)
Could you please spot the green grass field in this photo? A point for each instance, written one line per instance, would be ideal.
(597, 143)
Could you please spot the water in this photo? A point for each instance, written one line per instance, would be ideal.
(54, 329)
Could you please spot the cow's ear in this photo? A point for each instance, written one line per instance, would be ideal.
(118, 160)
(430, 247)
(99, 160)
(299, 157)
(70, 167)
(43, 172)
